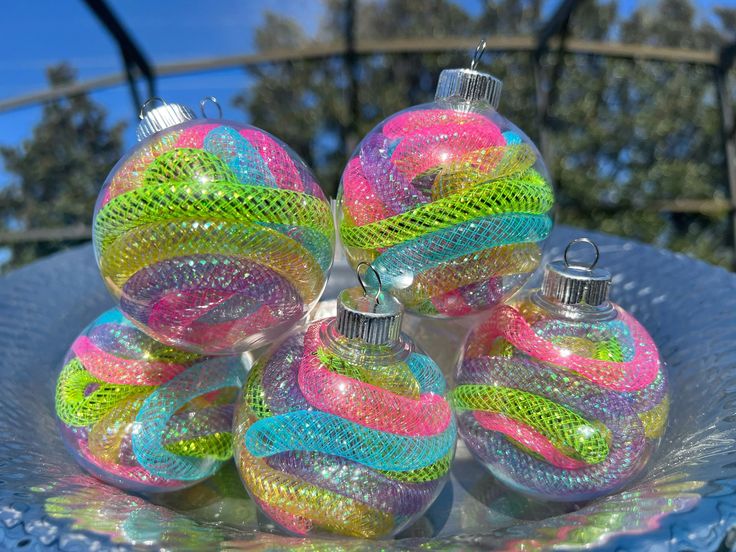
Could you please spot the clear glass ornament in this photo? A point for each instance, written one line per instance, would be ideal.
(214, 235)
(449, 201)
(344, 427)
(561, 393)
(141, 415)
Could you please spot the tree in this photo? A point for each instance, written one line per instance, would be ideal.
(625, 136)
(59, 170)
(631, 135)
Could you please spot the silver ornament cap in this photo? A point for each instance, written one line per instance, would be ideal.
(468, 85)
(373, 318)
(570, 283)
(156, 119)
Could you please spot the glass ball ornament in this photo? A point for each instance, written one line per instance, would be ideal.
(344, 428)
(143, 416)
(449, 201)
(561, 393)
(214, 235)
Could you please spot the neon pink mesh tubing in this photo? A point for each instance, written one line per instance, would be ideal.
(367, 404)
(620, 376)
(527, 436)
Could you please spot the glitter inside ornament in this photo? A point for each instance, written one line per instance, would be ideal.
(562, 394)
(214, 236)
(337, 435)
(449, 202)
(141, 415)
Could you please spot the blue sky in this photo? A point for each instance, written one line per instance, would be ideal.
(48, 32)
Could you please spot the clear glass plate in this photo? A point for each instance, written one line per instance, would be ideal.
(686, 500)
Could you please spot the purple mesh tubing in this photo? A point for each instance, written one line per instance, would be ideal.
(357, 481)
(513, 465)
(392, 188)
(651, 396)
(626, 445)
(465, 299)
(281, 381)
(578, 393)
(220, 276)
(119, 340)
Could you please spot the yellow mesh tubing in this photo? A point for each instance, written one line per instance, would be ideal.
(423, 474)
(531, 312)
(207, 202)
(187, 165)
(489, 263)
(130, 174)
(396, 378)
(578, 345)
(607, 349)
(106, 435)
(654, 420)
(480, 166)
(294, 496)
(82, 399)
(217, 445)
(254, 396)
(501, 348)
(150, 244)
(526, 193)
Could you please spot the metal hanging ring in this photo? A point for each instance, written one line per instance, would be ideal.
(362, 283)
(146, 107)
(591, 266)
(480, 49)
(210, 99)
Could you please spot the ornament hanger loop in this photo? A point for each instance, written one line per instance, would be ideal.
(210, 99)
(369, 266)
(480, 49)
(590, 266)
(147, 105)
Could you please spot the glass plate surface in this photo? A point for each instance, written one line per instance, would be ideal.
(686, 500)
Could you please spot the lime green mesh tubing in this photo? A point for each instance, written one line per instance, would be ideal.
(140, 415)
(214, 237)
(564, 428)
(448, 206)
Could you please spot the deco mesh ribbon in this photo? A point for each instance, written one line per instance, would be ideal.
(447, 208)
(325, 444)
(211, 235)
(143, 415)
(558, 409)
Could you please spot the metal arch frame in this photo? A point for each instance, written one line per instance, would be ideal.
(726, 57)
(135, 62)
(553, 33)
(545, 82)
(365, 47)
